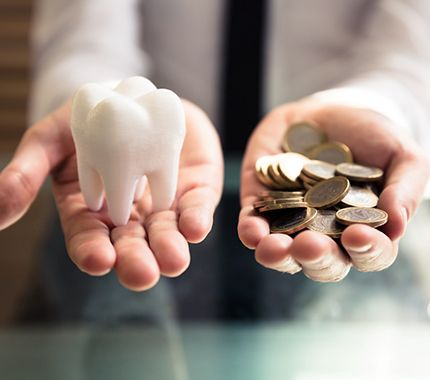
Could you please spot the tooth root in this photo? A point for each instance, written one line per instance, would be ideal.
(140, 188)
(91, 185)
(163, 188)
(119, 192)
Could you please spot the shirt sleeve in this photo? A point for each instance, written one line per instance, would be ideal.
(79, 41)
(392, 65)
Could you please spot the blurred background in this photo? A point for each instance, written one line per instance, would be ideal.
(283, 320)
(259, 294)
(20, 244)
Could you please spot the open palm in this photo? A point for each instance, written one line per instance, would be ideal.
(372, 141)
(151, 243)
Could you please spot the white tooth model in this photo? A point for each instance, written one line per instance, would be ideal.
(124, 136)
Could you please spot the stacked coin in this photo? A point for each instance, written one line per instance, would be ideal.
(316, 185)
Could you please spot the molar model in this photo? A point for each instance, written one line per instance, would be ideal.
(124, 137)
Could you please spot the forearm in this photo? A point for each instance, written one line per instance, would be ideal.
(391, 62)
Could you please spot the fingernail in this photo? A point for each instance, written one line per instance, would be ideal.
(289, 265)
(361, 249)
(323, 261)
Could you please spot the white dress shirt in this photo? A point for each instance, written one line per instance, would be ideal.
(363, 53)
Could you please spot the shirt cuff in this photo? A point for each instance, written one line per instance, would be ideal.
(364, 98)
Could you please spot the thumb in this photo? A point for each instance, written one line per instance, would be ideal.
(407, 177)
(42, 148)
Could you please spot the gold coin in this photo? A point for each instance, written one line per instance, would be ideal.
(307, 186)
(275, 177)
(259, 204)
(264, 180)
(288, 184)
(282, 206)
(308, 180)
(325, 222)
(357, 172)
(333, 152)
(297, 198)
(279, 181)
(319, 170)
(303, 136)
(280, 194)
(292, 221)
(261, 168)
(372, 217)
(328, 192)
(360, 197)
(273, 173)
(291, 164)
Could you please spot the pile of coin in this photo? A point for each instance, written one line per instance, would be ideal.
(314, 184)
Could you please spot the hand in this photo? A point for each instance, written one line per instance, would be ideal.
(369, 136)
(151, 243)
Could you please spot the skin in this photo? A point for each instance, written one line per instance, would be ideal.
(154, 244)
(370, 137)
(151, 244)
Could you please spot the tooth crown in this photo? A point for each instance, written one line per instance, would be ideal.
(122, 135)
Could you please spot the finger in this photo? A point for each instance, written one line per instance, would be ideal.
(136, 266)
(320, 257)
(41, 149)
(167, 243)
(201, 176)
(369, 249)
(406, 168)
(407, 177)
(272, 253)
(251, 227)
(196, 206)
(264, 141)
(87, 236)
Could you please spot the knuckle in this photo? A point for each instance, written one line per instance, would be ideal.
(21, 181)
(17, 191)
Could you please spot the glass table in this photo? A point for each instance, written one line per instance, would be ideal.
(228, 318)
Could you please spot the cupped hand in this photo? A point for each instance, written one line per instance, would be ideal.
(373, 142)
(151, 243)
